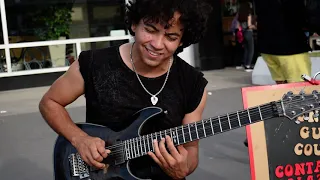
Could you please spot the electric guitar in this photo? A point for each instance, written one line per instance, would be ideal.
(131, 144)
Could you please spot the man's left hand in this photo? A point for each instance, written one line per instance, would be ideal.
(175, 163)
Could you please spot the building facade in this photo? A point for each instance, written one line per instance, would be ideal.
(40, 39)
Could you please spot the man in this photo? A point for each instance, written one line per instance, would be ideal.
(120, 80)
(281, 39)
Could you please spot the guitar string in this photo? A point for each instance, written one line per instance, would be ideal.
(185, 127)
(143, 139)
(137, 139)
(138, 145)
(254, 112)
(122, 153)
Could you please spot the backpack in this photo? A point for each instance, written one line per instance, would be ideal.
(239, 35)
(313, 15)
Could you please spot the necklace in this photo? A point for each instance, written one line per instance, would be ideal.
(154, 98)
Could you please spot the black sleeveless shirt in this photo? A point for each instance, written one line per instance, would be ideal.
(113, 92)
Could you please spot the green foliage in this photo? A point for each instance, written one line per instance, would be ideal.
(52, 22)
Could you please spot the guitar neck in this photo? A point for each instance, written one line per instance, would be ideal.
(202, 129)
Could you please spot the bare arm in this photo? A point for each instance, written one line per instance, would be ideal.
(64, 91)
(250, 25)
(193, 147)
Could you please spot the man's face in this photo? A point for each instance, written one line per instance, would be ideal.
(155, 43)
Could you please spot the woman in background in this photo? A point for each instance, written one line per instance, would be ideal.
(245, 19)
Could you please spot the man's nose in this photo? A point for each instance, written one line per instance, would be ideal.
(157, 43)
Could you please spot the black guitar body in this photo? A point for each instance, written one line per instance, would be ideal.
(115, 169)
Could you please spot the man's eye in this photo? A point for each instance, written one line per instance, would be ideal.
(171, 38)
(149, 30)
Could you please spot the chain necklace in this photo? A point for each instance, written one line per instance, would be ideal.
(154, 98)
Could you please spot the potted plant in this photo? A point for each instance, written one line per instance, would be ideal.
(53, 23)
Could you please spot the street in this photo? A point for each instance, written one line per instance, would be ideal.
(27, 141)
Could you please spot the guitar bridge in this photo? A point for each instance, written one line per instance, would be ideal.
(78, 167)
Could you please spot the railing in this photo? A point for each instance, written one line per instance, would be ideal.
(77, 42)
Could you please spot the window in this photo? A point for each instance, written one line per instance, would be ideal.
(50, 34)
(39, 20)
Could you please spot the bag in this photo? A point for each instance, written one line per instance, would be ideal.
(313, 15)
(239, 35)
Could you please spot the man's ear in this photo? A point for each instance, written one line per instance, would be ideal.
(133, 27)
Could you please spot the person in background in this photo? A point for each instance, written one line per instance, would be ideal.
(237, 42)
(245, 19)
(281, 39)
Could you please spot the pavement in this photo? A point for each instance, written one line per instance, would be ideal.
(27, 141)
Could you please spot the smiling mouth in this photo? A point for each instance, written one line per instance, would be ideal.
(153, 53)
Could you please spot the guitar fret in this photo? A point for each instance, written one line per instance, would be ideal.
(152, 142)
(220, 123)
(260, 113)
(145, 147)
(134, 148)
(249, 115)
(125, 146)
(131, 147)
(211, 126)
(156, 136)
(173, 136)
(177, 135)
(189, 132)
(195, 123)
(238, 118)
(148, 142)
(184, 139)
(204, 129)
(160, 135)
(165, 133)
(138, 150)
(141, 145)
(229, 121)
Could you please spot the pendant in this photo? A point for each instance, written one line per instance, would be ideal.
(154, 100)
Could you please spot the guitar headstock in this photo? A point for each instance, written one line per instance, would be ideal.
(300, 107)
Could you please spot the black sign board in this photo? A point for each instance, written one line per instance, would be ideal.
(281, 148)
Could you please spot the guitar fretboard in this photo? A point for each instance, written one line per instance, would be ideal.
(140, 146)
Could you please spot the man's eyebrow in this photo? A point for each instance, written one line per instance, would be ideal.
(152, 26)
(173, 34)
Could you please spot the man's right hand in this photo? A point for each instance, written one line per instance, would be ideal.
(65, 90)
(92, 150)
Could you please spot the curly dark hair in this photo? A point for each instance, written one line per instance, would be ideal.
(194, 16)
